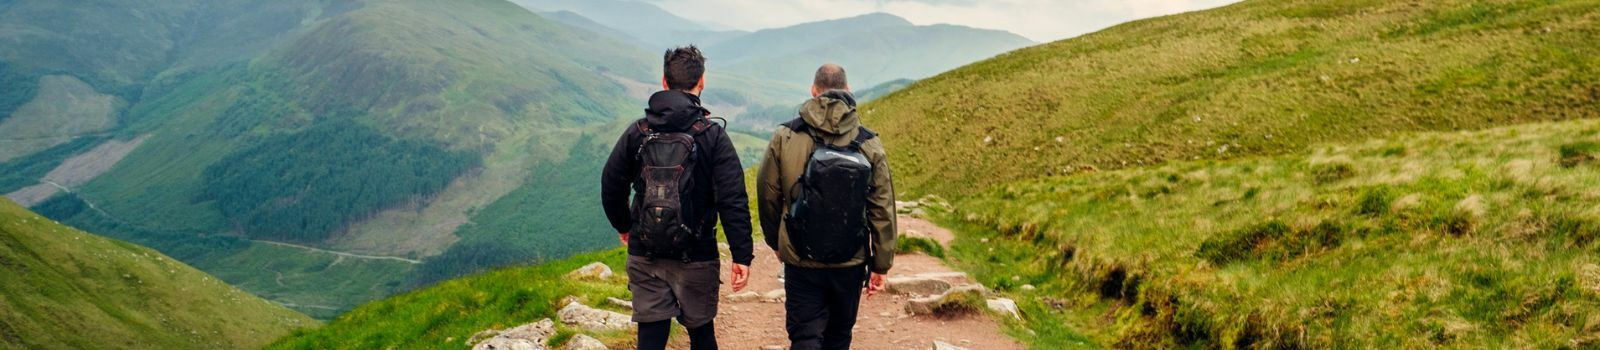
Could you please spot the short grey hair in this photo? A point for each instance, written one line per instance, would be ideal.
(831, 77)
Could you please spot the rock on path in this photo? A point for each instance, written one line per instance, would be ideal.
(593, 319)
(530, 336)
(592, 271)
(584, 342)
(746, 321)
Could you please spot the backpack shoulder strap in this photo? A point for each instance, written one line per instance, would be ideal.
(862, 135)
(700, 126)
(798, 125)
(644, 127)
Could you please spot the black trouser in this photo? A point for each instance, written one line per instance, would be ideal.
(822, 306)
(653, 336)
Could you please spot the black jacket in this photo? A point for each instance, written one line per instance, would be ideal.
(718, 188)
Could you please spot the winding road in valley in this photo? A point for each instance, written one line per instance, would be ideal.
(97, 209)
(339, 253)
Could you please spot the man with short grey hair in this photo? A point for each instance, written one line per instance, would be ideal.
(827, 207)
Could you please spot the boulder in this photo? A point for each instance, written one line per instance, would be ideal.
(917, 285)
(744, 297)
(963, 298)
(626, 304)
(906, 207)
(775, 296)
(509, 344)
(594, 319)
(592, 271)
(481, 336)
(918, 213)
(1005, 307)
(584, 342)
(939, 345)
(530, 336)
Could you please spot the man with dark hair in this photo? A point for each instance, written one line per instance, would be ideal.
(826, 201)
(683, 174)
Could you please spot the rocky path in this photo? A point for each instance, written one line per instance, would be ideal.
(927, 306)
(883, 323)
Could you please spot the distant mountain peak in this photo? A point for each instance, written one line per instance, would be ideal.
(883, 16)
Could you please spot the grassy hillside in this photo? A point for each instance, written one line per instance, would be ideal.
(1486, 239)
(444, 316)
(1257, 77)
(66, 289)
(877, 92)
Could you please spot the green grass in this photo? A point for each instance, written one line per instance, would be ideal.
(1260, 77)
(66, 289)
(1580, 153)
(318, 284)
(444, 316)
(1463, 239)
(923, 245)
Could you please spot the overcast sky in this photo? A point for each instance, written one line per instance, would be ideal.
(1040, 20)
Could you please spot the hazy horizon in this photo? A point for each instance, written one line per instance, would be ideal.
(1038, 20)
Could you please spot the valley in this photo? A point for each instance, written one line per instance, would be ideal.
(323, 154)
(1267, 174)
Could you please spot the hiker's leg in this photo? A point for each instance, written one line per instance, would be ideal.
(844, 303)
(696, 285)
(653, 335)
(704, 337)
(653, 302)
(806, 307)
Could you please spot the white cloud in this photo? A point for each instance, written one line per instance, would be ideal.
(1040, 20)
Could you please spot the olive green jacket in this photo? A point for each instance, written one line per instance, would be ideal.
(832, 116)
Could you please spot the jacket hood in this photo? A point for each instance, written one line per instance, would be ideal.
(672, 110)
(832, 113)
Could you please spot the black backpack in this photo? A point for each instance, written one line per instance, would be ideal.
(827, 221)
(666, 161)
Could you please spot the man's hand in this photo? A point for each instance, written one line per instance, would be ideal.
(741, 277)
(624, 237)
(875, 284)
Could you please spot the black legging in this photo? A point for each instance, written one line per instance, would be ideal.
(653, 336)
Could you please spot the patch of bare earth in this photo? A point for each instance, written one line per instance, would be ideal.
(882, 323)
(77, 171)
(64, 109)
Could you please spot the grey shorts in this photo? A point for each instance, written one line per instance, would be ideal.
(667, 288)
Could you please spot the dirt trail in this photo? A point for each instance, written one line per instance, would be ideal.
(882, 323)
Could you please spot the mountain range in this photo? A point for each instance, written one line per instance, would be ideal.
(1269, 174)
(326, 153)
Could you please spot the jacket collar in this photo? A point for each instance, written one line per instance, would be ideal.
(672, 110)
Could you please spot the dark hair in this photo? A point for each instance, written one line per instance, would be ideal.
(831, 77)
(684, 67)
